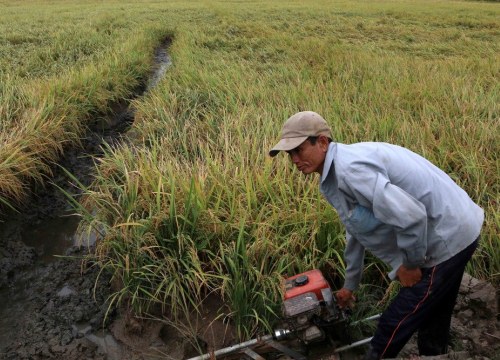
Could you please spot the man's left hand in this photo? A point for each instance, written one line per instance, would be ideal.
(408, 277)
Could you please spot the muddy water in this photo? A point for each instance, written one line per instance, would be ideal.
(48, 307)
(162, 63)
(52, 237)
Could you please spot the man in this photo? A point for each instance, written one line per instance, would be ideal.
(405, 211)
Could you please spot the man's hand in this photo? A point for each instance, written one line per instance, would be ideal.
(345, 298)
(408, 277)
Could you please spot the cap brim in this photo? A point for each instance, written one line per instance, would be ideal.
(287, 144)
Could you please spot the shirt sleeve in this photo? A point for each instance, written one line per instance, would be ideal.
(354, 256)
(394, 206)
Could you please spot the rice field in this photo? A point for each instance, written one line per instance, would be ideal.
(193, 205)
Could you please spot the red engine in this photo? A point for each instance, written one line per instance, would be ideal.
(310, 281)
(308, 304)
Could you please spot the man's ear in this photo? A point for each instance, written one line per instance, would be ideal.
(323, 143)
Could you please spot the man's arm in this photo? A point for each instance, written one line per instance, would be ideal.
(354, 255)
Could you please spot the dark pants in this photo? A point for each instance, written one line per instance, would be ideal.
(426, 307)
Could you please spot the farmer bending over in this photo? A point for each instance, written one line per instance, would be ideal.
(405, 211)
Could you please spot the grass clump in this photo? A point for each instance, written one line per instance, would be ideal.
(172, 243)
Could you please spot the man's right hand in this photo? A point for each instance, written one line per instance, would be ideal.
(408, 277)
(345, 298)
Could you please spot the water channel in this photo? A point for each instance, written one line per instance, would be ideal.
(32, 275)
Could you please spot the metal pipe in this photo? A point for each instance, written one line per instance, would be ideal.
(350, 346)
(232, 348)
(279, 334)
(374, 317)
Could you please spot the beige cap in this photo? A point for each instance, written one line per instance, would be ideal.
(298, 128)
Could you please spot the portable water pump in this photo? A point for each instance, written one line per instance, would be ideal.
(309, 307)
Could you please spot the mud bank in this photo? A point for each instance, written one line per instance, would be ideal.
(60, 306)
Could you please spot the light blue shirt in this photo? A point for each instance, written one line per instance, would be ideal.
(397, 205)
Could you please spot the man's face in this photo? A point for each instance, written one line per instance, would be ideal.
(310, 158)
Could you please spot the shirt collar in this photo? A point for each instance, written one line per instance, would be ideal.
(332, 150)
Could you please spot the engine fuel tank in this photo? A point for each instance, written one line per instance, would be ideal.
(309, 281)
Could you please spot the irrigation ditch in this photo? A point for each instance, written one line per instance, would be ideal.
(53, 305)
